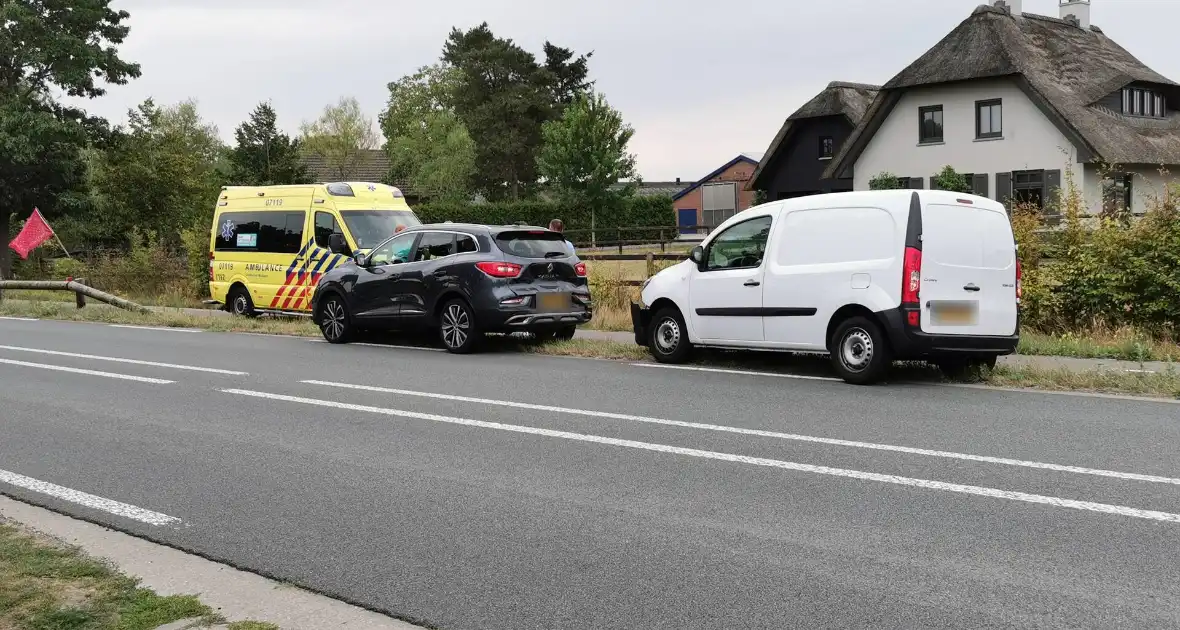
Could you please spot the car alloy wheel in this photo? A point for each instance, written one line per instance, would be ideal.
(334, 320)
(456, 326)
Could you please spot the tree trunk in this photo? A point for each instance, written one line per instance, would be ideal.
(5, 252)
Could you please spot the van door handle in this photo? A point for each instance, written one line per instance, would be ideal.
(971, 287)
(751, 283)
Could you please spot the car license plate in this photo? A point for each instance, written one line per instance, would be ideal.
(553, 302)
(954, 313)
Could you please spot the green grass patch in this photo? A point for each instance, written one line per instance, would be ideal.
(1125, 344)
(47, 585)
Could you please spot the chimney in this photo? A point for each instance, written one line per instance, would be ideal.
(1013, 7)
(1076, 12)
(677, 180)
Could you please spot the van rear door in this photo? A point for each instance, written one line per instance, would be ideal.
(968, 284)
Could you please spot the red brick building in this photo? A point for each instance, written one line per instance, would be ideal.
(716, 196)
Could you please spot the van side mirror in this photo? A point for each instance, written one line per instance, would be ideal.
(697, 255)
(338, 245)
(360, 259)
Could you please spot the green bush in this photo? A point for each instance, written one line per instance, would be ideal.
(885, 181)
(950, 179)
(628, 213)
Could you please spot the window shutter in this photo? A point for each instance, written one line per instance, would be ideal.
(979, 184)
(1051, 186)
(1003, 187)
(916, 183)
(934, 182)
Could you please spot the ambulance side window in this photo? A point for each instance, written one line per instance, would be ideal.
(325, 226)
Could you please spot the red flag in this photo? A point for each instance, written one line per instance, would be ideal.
(35, 232)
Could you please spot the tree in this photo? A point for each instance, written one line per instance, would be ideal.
(263, 156)
(566, 75)
(159, 174)
(429, 147)
(949, 179)
(49, 47)
(584, 154)
(341, 137)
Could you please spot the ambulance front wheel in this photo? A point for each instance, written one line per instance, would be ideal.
(240, 303)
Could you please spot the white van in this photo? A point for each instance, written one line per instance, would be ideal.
(868, 277)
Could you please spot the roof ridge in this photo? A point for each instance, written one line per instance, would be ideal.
(853, 85)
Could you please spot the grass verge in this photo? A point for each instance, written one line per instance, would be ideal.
(1164, 384)
(1125, 344)
(47, 585)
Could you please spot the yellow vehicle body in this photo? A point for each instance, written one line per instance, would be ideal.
(270, 244)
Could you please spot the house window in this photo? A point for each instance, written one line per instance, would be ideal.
(1116, 193)
(989, 119)
(827, 147)
(1143, 102)
(1028, 187)
(930, 124)
(719, 202)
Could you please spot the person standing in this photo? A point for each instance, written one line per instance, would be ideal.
(557, 226)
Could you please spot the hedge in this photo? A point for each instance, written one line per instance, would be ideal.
(631, 212)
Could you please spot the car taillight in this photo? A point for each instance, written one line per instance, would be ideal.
(500, 269)
(911, 275)
(580, 269)
(1019, 281)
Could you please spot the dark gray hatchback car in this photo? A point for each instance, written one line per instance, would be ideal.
(460, 280)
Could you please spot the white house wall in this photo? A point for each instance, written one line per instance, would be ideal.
(1030, 140)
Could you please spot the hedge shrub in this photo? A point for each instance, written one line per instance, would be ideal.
(627, 213)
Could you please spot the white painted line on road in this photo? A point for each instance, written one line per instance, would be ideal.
(927, 484)
(20, 319)
(739, 372)
(163, 328)
(383, 345)
(61, 368)
(762, 433)
(1140, 371)
(88, 500)
(173, 366)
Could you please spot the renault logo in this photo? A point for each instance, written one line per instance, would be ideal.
(550, 269)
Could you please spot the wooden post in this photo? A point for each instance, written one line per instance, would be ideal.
(662, 250)
(79, 298)
(651, 264)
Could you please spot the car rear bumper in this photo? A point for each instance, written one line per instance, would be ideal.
(496, 320)
(909, 343)
(640, 320)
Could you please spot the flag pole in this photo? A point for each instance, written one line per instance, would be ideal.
(54, 232)
(63, 247)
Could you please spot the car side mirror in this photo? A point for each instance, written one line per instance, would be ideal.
(697, 255)
(361, 259)
(338, 245)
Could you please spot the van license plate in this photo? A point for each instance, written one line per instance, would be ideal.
(553, 302)
(954, 313)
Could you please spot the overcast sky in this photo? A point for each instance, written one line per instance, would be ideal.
(701, 81)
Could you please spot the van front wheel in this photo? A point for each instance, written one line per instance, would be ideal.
(860, 353)
(668, 337)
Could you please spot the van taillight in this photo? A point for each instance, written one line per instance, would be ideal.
(1019, 281)
(911, 275)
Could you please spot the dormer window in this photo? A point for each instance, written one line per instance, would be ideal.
(1143, 102)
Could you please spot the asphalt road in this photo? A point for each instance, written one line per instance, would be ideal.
(508, 491)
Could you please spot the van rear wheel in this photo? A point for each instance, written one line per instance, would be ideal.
(240, 303)
(860, 353)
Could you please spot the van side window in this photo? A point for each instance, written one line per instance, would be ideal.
(435, 245)
(263, 232)
(740, 246)
(325, 226)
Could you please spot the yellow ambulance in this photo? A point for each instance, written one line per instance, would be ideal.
(270, 244)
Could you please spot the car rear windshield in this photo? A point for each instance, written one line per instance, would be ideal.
(370, 228)
(533, 244)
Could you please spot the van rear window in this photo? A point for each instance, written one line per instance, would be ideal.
(263, 232)
(533, 244)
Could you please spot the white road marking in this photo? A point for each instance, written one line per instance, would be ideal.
(383, 345)
(61, 368)
(20, 319)
(762, 433)
(163, 328)
(927, 484)
(739, 372)
(173, 366)
(1140, 371)
(88, 500)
